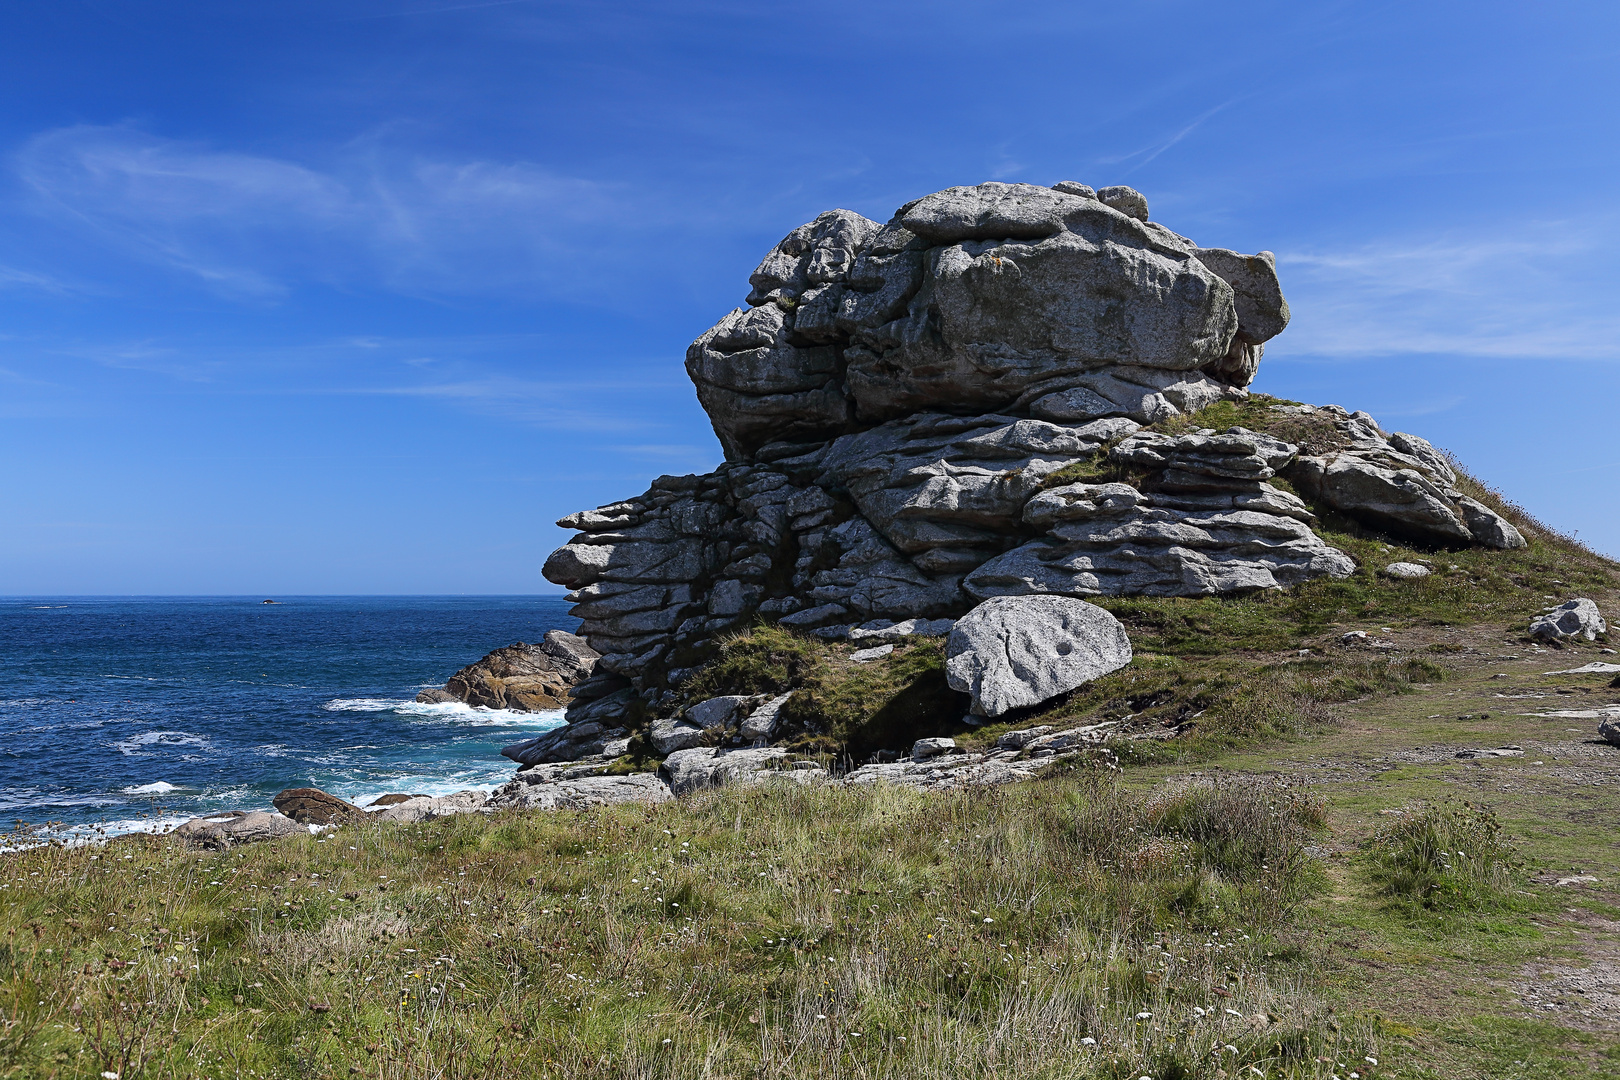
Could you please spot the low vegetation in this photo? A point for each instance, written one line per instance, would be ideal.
(1446, 858)
(1061, 927)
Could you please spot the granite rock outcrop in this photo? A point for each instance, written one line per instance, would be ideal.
(986, 396)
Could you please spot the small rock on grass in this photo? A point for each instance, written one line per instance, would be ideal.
(1577, 618)
(236, 827)
(1609, 730)
(1407, 571)
(923, 749)
(866, 656)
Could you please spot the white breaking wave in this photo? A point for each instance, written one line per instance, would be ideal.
(132, 745)
(159, 787)
(449, 710)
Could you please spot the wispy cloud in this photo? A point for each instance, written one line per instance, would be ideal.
(255, 226)
(1537, 290)
(13, 278)
(1139, 158)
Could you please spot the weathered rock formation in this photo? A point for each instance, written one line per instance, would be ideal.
(521, 677)
(982, 397)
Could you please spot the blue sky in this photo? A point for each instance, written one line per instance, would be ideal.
(354, 297)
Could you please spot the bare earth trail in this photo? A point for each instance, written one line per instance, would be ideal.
(1548, 977)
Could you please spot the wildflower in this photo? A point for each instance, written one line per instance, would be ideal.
(1088, 1041)
(1370, 1060)
(989, 920)
(1144, 1016)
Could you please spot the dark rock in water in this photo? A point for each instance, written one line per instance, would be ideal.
(236, 827)
(393, 799)
(521, 677)
(312, 806)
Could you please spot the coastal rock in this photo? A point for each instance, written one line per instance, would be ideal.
(923, 749)
(1407, 571)
(984, 396)
(1577, 618)
(579, 793)
(1203, 521)
(1014, 652)
(312, 806)
(708, 766)
(425, 808)
(885, 630)
(237, 827)
(761, 723)
(568, 743)
(521, 677)
(669, 734)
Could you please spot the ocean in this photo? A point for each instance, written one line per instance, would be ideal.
(126, 713)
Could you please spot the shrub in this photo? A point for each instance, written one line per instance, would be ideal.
(1446, 858)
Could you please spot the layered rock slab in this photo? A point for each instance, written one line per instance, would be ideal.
(1399, 484)
(1204, 521)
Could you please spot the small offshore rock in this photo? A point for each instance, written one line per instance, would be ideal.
(312, 806)
(522, 677)
(1012, 652)
(1407, 571)
(1577, 618)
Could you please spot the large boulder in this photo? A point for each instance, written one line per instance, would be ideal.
(1577, 618)
(522, 677)
(982, 299)
(1013, 652)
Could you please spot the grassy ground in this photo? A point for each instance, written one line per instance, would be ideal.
(1296, 882)
(1293, 875)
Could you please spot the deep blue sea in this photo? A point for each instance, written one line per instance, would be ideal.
(131, 712)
